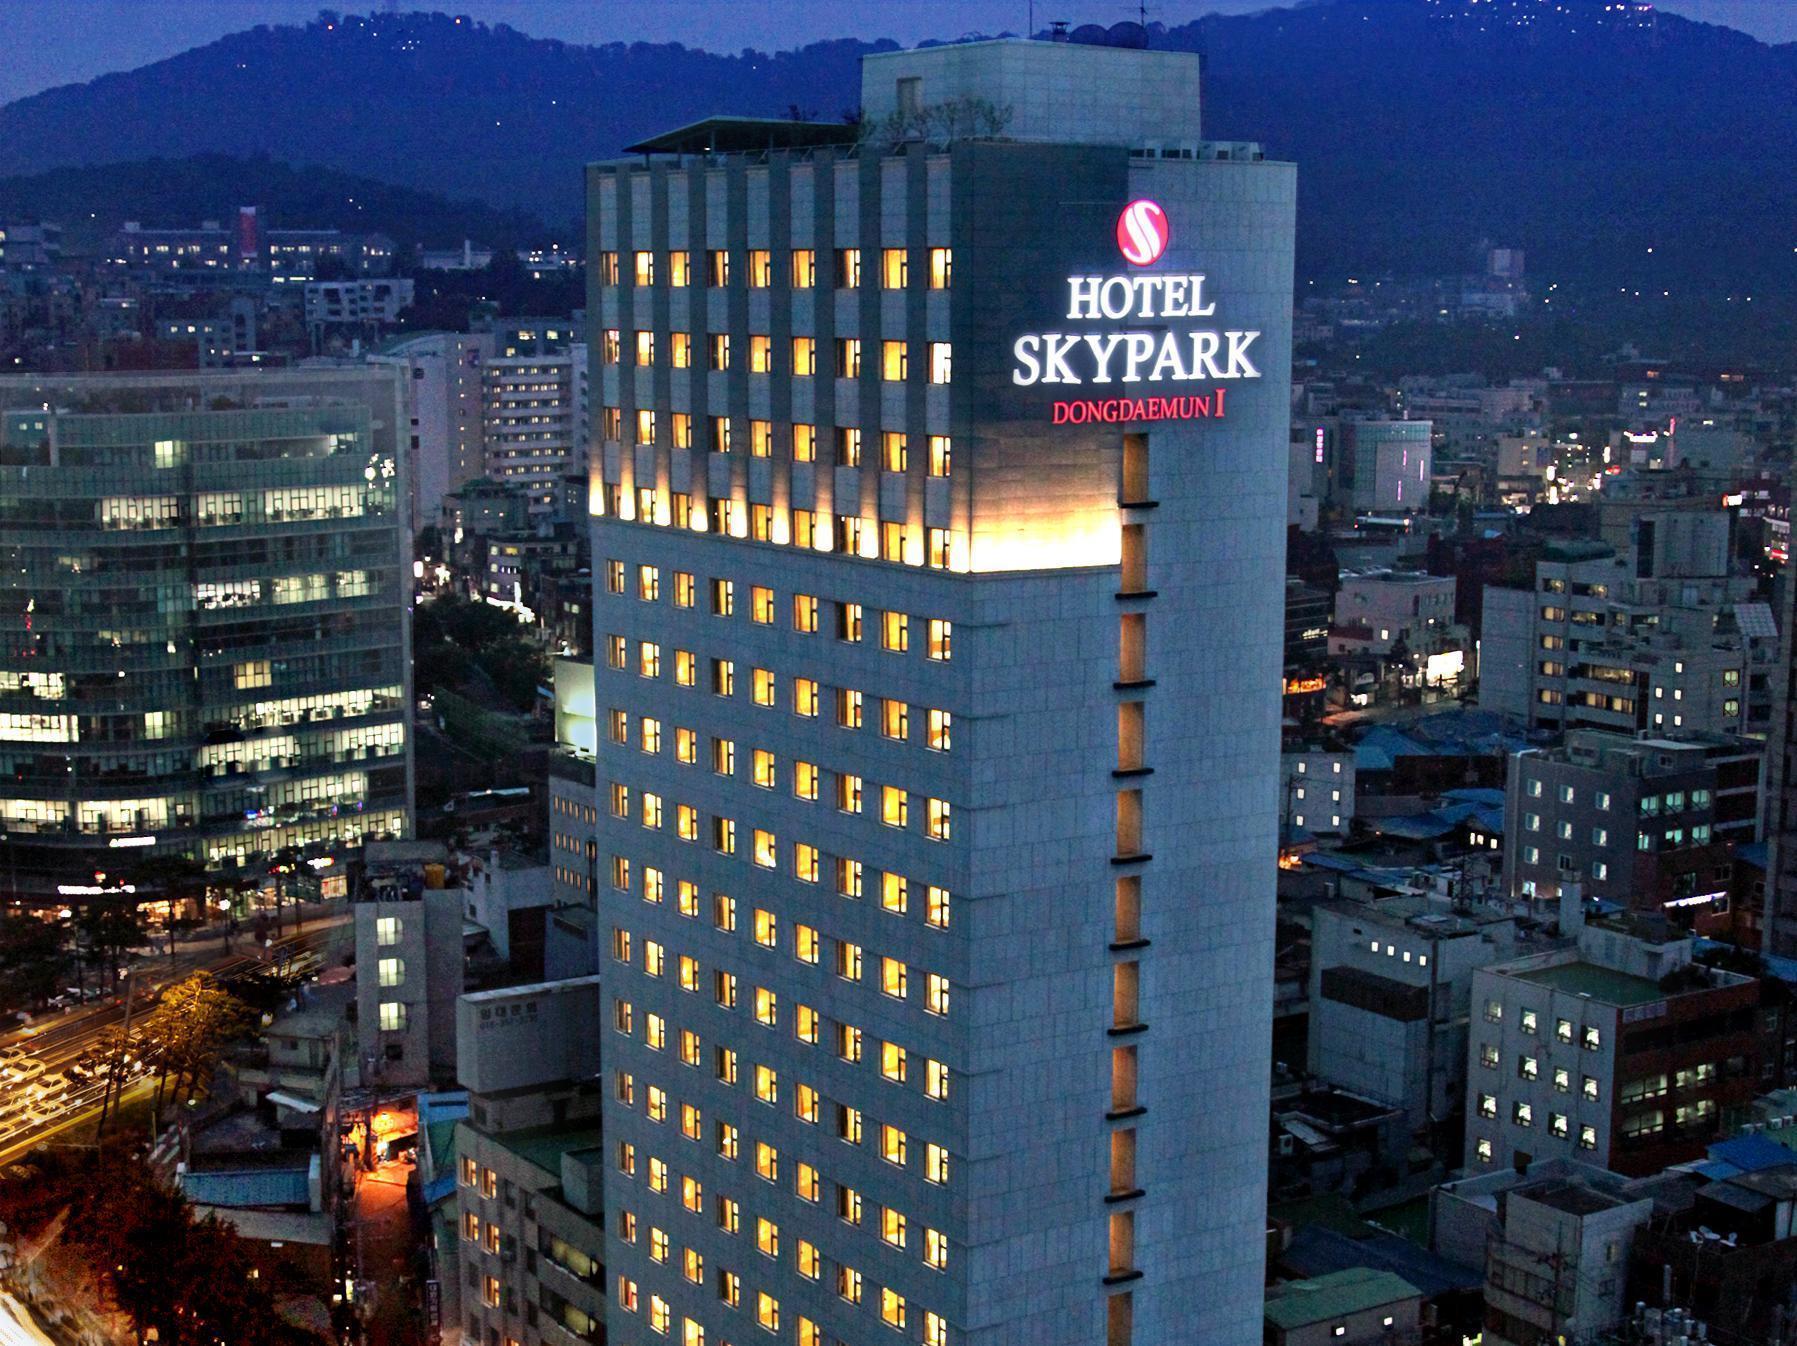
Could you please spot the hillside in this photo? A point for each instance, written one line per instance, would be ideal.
(96, 199)
(1585, 141)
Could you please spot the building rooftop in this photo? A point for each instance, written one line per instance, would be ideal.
(543, 1146)
(1574, 1198)
(733, 135)
(1601, 984)
(1303, 1303)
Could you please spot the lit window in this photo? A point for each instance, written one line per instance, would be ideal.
(895, 806)
(804, 268)
(895, 978)
(848, 961)
(941, 639)
(392, 1016)
(939, 728)
(940, 361)
(392, 971)
(894, 893)
(936, 823)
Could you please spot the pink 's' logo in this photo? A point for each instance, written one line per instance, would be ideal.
(1142, 232)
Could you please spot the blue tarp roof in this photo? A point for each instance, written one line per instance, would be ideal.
(1451, 733)
(1438, 822)
(248, 1187)
(1749, 1154)
(1317, 1251)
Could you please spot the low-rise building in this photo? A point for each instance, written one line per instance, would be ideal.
(1397, 607)
(409, 964)
(365, 302)
(1620, 1051)
(531, 1251)
(1359, 1307)
(1554, 1242)
(1647, 822)
(1659, 636)
(1390, 987)
(1317, 789)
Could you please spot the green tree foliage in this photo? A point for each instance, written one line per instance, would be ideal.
(110, 927)
(184, 1033)
(452, 637)
(187, 1280)
(33, 959)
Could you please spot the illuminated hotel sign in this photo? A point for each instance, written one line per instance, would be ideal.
(1135, 355)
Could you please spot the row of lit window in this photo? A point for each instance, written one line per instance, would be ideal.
(764, 846)
(894, 721)
(1523, 1114)
(895, 356)
(574, 878)
(893, 1312)
(847, 442)
(895, 724)
(847, 534)
(727, 1212)
(849, 962)
(1529, 1068)
(801, 268)
(808, 1258)
(850, 618)
(1529, 1022)
(569, 808)
(808, 1027)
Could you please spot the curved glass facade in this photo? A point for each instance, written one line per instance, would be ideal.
(203, 619)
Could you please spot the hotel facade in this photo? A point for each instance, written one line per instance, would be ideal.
(939, 538)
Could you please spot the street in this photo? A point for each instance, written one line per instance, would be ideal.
(60, 1040)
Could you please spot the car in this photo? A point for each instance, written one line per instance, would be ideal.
(24, 1070)
(16, 1052)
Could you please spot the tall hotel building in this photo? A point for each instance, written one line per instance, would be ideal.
(204, 617)
(939, 557)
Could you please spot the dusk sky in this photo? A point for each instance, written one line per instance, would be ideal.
(51, 42)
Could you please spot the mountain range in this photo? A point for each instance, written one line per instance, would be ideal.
(1645, 151)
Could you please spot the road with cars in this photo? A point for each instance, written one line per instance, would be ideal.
(53, 1070)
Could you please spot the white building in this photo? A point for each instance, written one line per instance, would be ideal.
(1317, 790)
(365, 302)
(938, 1018)
(447, 446)
(1390, 987)
(1657, 637)
(408, 975)
(537, 415)
(1394, 606)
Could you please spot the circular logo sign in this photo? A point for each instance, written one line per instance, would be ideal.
(1142, 232)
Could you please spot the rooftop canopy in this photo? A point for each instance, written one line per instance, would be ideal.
(727, 135)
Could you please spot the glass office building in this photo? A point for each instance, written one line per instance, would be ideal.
(205, 617)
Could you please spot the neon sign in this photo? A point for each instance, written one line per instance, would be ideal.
(1300, 686)
(1142, 233)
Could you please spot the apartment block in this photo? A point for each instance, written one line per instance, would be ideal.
(1619, 1052)
(1646, 821)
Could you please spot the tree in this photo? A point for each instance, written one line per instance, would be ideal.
(176, 880)
(186, 1030)
(32, 961)
(112, 926)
